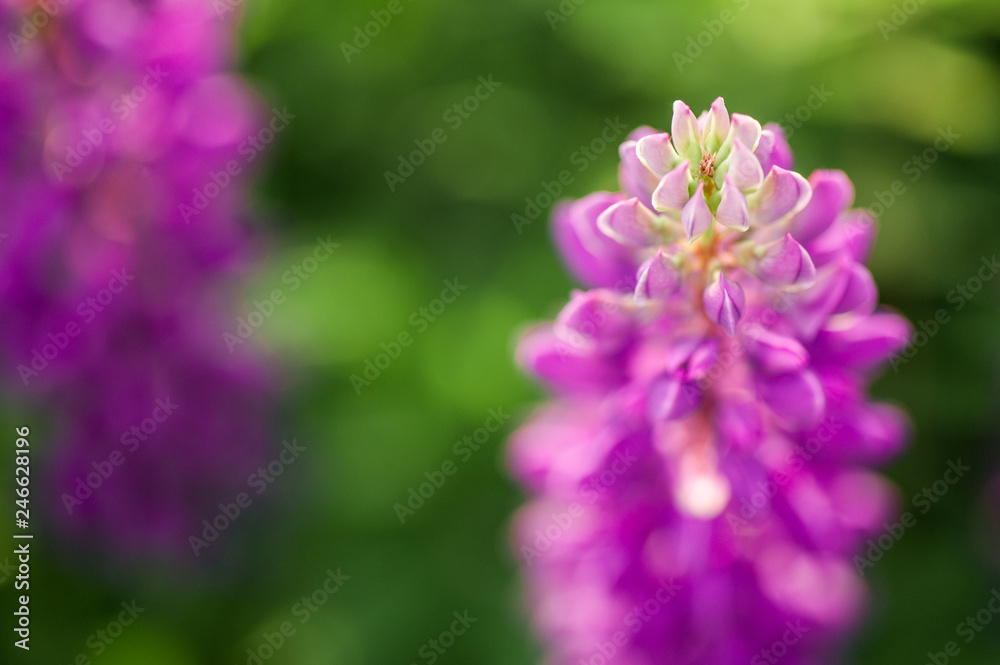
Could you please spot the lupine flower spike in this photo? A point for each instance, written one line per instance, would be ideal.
(701, 477)
(116, 269)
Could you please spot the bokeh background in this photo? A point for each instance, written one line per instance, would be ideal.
(893, 75)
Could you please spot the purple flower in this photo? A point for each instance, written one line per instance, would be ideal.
(163, 434)
(701, 476)
(122, 240)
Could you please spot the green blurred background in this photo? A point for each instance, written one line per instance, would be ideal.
(562, 73)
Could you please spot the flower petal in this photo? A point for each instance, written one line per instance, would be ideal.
(732, 210)
(782, 193)
(851, 235)
(725, 303)
(739, 423)
(635, 177)
(673, 191)
(658, 278)
(796, 397)
(744, 168)
(630, 223)
(774, 352)
(786, 263)
(860, 294)
(716, 127)
(773, 149)
(832, 192)
(746, 130)
(858, 227)
(868, 433)
(842, 287)
(684, 127)
(672, 398)
(696, 217)
(593, 257)
(865, 345)
(701, 492)
(692, 356)
(657, 153)
(595, 320)
(565, 367)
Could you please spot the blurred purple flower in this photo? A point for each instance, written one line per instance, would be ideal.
(122, 239)
(702, 476)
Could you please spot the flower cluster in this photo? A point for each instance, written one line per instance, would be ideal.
(117, 114)
(710, 430)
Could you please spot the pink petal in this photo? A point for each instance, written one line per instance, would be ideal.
(696, 217)
(782, 193)
(658, 278)
(630, 223)
(725, 303)
(716, 127)
(672, 398)
(635, 177)
(832, 192)
(860, 293)
(796, 397)
(773, 149)
(868, 343)
(693, 356)
(595, 319)
(775, 352)
(657, 153)
(786, 263)
(672, 192)
(744, 168)
(684, 127)
(732, 210)
(746, 130)
(593, 257)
